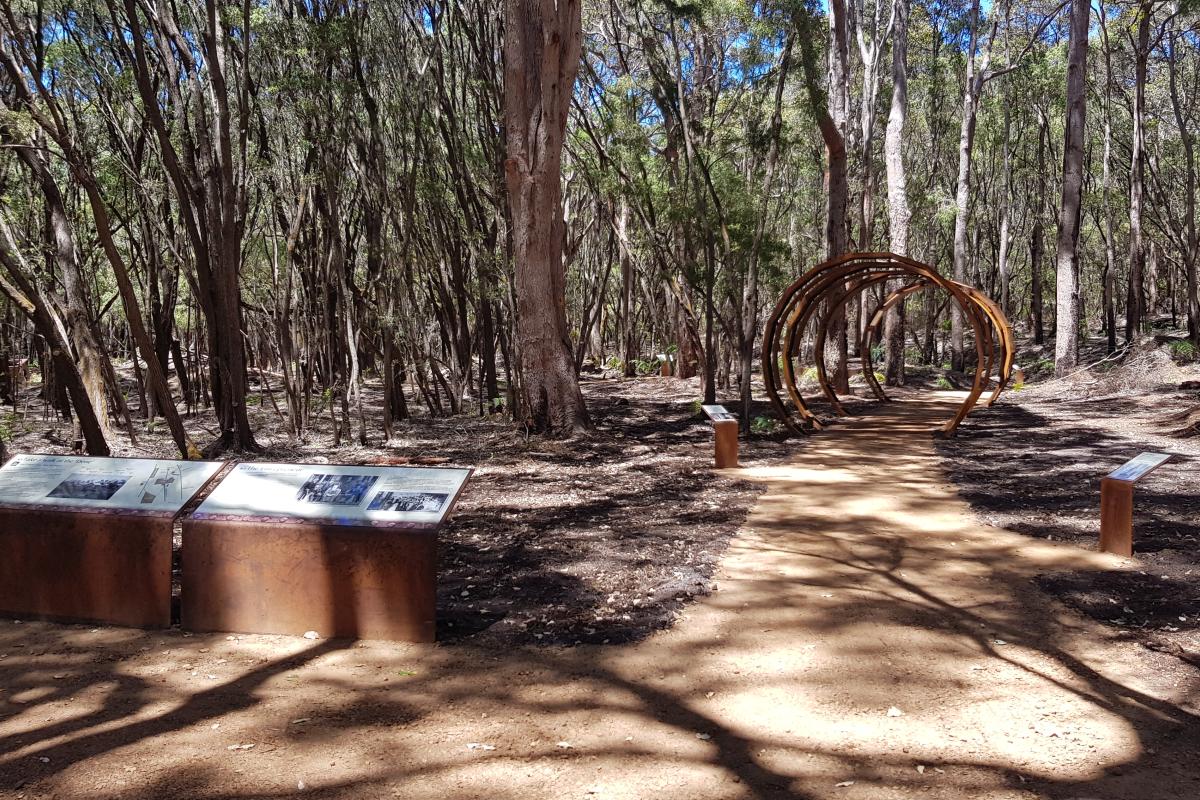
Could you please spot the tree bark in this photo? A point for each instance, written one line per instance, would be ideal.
(972, 90)
(830, 111)
(542, 41)
(750, 290)
(1135, 301)
(1066, 350)
(899, 215)
(23, 293)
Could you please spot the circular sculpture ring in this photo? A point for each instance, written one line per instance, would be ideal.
(822, 293)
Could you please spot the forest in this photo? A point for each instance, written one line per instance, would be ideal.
(390, 399)
(317, 195)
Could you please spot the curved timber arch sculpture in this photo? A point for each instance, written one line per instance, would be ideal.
(819, 295)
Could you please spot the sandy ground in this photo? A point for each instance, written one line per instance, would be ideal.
(868, 639)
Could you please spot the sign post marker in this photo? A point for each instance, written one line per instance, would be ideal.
(725, 430)
(1116, 502)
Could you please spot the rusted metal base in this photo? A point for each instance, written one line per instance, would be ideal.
(726, 436)
(1116, 517)
(291, 578)
(83, 567)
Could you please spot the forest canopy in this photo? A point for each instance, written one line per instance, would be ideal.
(314, 195)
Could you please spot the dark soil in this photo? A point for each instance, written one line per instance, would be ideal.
(600, 539)
(1034, 466)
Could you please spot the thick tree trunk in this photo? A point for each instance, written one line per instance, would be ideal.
(1066, 350)
(899, 215)
(837, 220)
(830, 109)
(542, 41)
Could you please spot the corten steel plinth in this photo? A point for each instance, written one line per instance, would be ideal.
(85, 567)
(348, 551)
(88, 539)
(1116, 517)
(1116, 502)
(822, 292)
(725, 434)
(294, 577)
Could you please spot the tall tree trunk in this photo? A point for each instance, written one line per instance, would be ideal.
(1135, 301)
(1191, 236)
(1036, 248)
(23, 293)
(750, 292)
(972, 89)
(1066, 349)
(837, 222)
(897, 188)
(830, 109)
(542, 41)
(76, 306)
(1110, 266)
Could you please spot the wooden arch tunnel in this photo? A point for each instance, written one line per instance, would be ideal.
(820, 294)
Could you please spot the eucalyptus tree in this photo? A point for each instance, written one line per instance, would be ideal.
(1066, 351)
(542, 48)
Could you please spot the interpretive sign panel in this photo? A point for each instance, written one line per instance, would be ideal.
(89, 539)
(717, 413)
(340, 495)
(341, 550)
(1138, 467)
(106, 485)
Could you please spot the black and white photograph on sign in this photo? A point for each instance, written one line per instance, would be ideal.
(88, 487)
(164, 485)
(408, 501)
(336, 490)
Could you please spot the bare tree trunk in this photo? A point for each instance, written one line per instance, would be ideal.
(897, 187)
(1036, 248)
(1135, 307)
(1187, 137)
(837, 221)
(972, 90)
(542, 41)
(22, 293)
(750, 294)
(1066, 350)
(1110, 266)
(76, 307)
(830, 110)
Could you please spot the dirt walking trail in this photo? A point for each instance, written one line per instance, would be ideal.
(868, 640)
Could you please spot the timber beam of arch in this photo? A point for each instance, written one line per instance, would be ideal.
(818, 295)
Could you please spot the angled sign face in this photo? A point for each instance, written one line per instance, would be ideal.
(334, 494)
(1139, 467)
(717, 413)
(108, 485)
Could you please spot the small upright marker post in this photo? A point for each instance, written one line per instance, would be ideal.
(725, 430)
(1116, 502)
